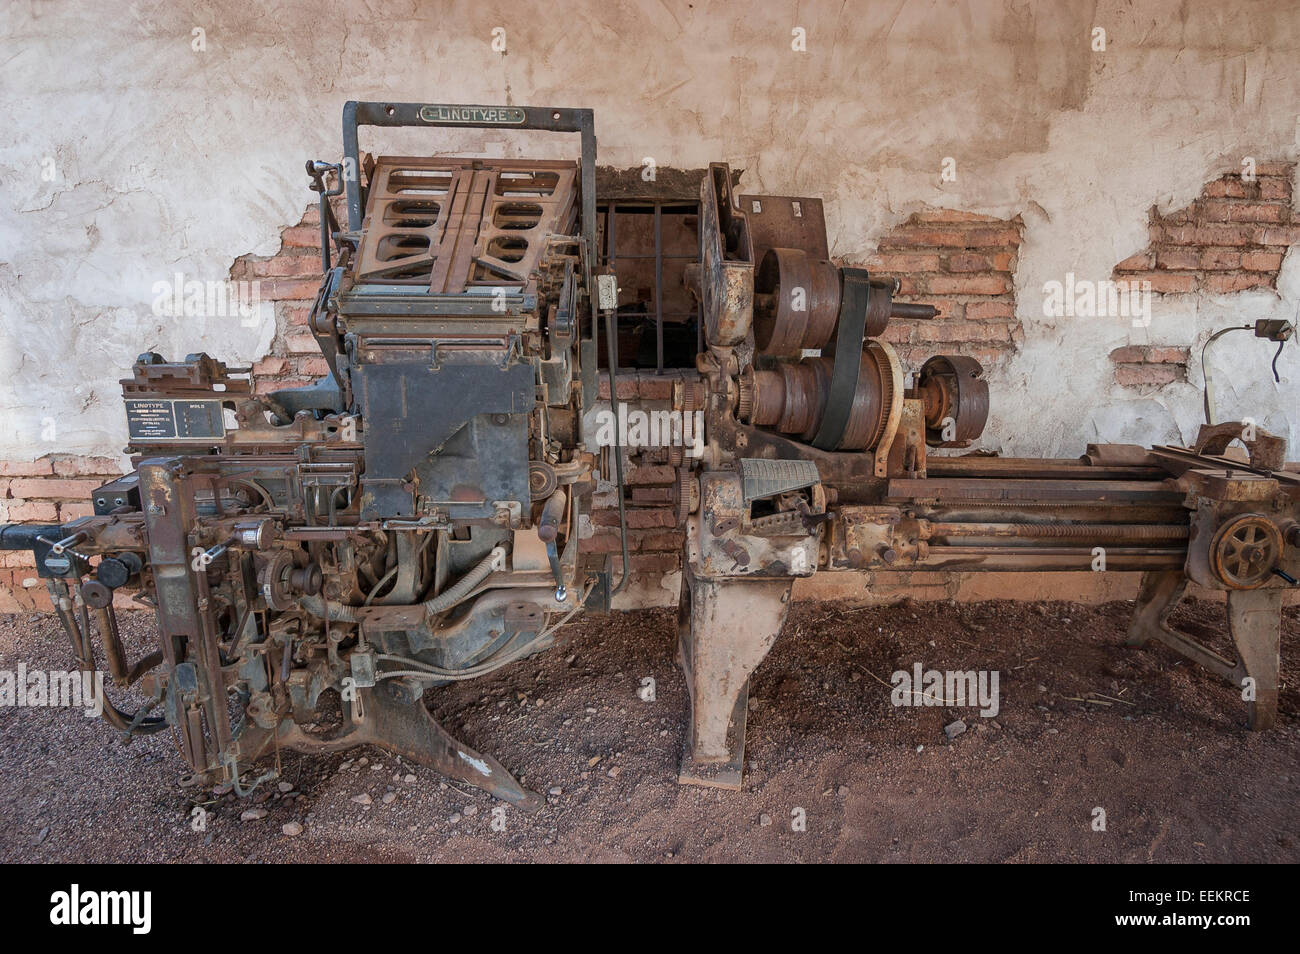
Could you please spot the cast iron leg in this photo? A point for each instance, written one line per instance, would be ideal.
(404, 726)
(1255, 619)
(725, 629)
(1160, 593)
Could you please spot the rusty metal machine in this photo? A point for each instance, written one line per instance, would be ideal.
(412, 519)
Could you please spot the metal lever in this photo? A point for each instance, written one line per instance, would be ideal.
(65, 544)
(548, 528)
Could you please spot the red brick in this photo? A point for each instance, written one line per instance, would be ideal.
(1178, 258)
(953, 331)
(1158, 354)
(1226, 283)
(950, 215)
(978, 238)
(970, 285)
(1129, 354)
(316, 367)
(87, 466)
(660, 541)
(986, 354)
(604, 542)
(1220, 259)
(301, 343)
(909, 287)
(638, 518)
(32, 512)
(69, 511)
(301, 236)
(286, 266)
(269, 366)
(24, 601)
(906, 237)
(290, 289)
(629, 387)
(1224, 210)
(981, 310)
(651, 563)
(52, 488)
(656, 387)
(906, 262)
(1285, 235)
(898, 332)
(968, 262)
(1204, 234)
(1143, 375)
(1275, 189)
(1261, 261)
(651, 474)
(1229, 187)
(1165, 283)
(286, 383)
(26, 468)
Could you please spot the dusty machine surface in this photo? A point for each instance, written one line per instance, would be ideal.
(413, 518)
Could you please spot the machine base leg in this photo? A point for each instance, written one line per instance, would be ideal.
(1255, 619)
(725, 628)
(1255, 622)
(1160, 592)
(405, 727)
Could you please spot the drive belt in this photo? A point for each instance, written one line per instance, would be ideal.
(856, 308)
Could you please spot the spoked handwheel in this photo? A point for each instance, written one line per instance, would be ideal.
(1245, 551)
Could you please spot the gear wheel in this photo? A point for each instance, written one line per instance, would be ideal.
(686, 494)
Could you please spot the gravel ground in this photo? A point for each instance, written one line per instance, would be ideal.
(1168, 759)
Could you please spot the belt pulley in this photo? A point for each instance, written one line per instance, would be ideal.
(864, 311)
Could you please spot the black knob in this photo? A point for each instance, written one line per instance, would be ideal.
(113, 572)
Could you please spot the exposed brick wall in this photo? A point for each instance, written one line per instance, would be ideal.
(1231, 238)
(1149, 366)
(290, 278)
(654, 542)
(964, 264)
(57, 488)
(54, 489)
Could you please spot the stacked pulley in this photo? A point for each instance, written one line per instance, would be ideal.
(821, 376)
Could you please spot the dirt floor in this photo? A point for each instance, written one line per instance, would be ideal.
(1162, 748)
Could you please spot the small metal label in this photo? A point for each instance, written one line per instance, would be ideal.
(607, 292)
(490, 115)
(174, 420)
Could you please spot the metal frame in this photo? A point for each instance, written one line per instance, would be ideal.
(358, 113)
(610, 213)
